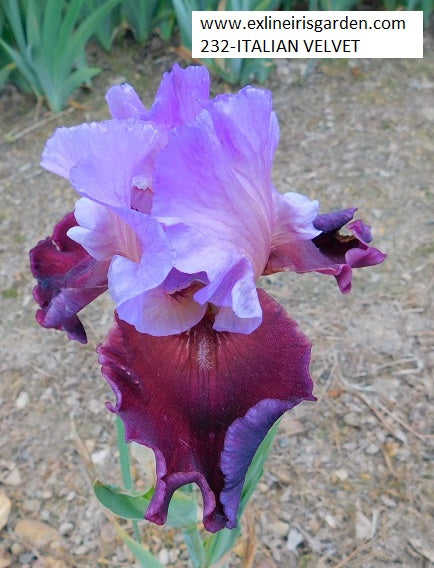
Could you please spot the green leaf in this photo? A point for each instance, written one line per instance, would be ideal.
(140, 16)
(12, 11)
(33, 31)
(183, 9)
(145, 558)
(50, 30)
(22, 67)
(5, 72)
(182, 509)
(164, 19)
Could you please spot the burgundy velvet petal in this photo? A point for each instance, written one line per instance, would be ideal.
(330, 252)
(68, 279)
(204, 400)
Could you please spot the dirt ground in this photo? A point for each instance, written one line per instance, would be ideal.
(350, 481)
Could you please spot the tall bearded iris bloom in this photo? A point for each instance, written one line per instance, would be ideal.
(178, 218)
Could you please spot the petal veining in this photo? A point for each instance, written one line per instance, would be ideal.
(218, 169)
(101, 160)
(205, 408)
(182, 95)
(124, 102)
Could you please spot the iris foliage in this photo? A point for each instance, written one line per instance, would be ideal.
(42, 42)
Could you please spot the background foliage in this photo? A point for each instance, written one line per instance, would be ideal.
(43, 42)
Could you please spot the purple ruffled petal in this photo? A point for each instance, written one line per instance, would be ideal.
(293, 219)
(68, 279)
(103, 160)
(124, 102)
(219, 168)
(103, 233)
(182, 95)
(204, 400)
(167, 309)
(327, 222)
(330, 252)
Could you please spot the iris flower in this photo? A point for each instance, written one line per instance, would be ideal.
(178, 218)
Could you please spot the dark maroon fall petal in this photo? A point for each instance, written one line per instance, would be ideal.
(68, 279)
(204, 400)
(329, 252)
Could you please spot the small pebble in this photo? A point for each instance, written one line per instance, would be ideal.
(280, 528)
(372, 449)
(341, 474)
(100, 457)
(294, 540)
(26, 557)
(17, 548)
(22, 400)
(331, 521)
(163, 556)
(71, 496)
(66, 528)
(80, 550)
(14, 478)
(352, 419)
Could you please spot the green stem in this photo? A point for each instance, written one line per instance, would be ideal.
(192, 537)
(195, 547)
(124, 457)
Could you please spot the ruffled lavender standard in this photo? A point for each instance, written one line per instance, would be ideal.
(178, 218)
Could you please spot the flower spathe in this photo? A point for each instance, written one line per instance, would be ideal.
(178, 217)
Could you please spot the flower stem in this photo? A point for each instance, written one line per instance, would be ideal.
(192, 537)
(124, 457)
(195, 547)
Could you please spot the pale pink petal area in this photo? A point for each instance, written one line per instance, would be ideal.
(166, 310)
(103, 233)
(293, 218)
(130, 276)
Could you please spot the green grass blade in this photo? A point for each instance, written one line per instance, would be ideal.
(183, 9)
(33, 27)
(79, 37)
(165, 19)
(69, 22)
(13, 15)
(145, 558)
(5, 72)
(50, 30)
(75, 80)
(22, 67)
(140, 15)
(428, 9)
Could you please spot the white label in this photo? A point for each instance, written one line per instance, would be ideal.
(319, 35)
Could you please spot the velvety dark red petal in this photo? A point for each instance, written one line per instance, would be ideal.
(204, 400)
(330, 252)
(68, 279)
